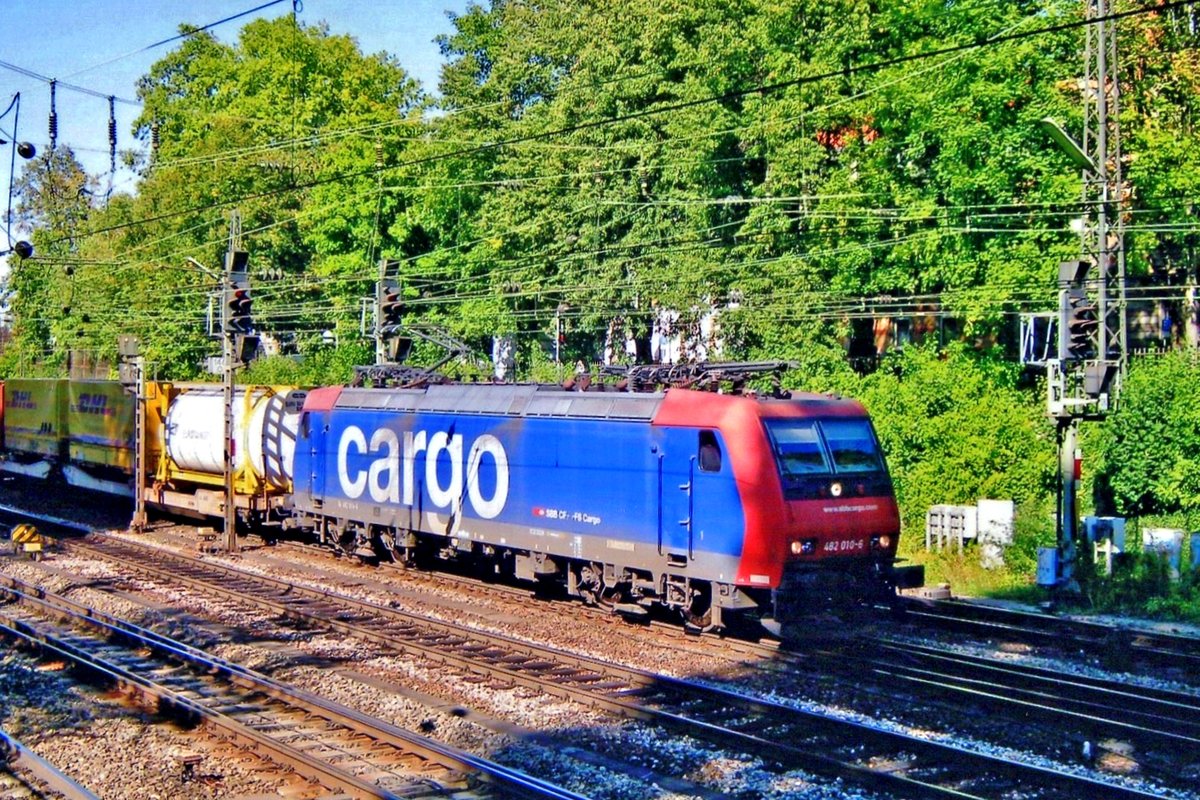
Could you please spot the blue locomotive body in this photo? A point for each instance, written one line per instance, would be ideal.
(674, 499)
(553, 474)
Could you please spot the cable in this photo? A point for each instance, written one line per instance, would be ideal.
(762, 89)
(74, 88)
(187, 33)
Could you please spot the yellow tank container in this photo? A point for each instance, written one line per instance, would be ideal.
(184, 426)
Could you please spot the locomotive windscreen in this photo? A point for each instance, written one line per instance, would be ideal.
(809, 448)
(852, 445)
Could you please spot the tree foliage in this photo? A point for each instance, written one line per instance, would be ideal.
(1148, 449)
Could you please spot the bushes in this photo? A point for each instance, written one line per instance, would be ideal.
(1141, 585)
(1147, 449)
(329, 366)
(955, 428)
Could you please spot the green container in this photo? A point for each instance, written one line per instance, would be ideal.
(100, 424)
(34, 420)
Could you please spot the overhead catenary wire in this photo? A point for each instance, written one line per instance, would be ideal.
(760, 89)
(46, 79)
(187, 33)
(288, 287)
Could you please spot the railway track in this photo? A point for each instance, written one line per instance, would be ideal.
(788, 736)
(23, 773)
(1093, 714)
(1105, 641)
(330, 744)
(1170, 650)
(1092, 710)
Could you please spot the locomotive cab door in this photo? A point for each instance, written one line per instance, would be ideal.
(698, 500)
(709, 479)
(312, 430)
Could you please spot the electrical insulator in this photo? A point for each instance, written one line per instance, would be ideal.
(112, 135)
(154, 136)
(53, 116)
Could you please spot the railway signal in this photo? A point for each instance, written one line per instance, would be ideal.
(238, 308)
(1084, 381)
(390, 345)
(1079, 325)
(391, 307)
(238, 343)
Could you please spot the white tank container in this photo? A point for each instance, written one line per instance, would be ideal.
(264, 435)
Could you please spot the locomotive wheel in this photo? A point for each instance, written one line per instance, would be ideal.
(700, 622)
(698, 616)
(591, 586)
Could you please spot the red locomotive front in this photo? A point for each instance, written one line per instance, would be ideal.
(821, 521)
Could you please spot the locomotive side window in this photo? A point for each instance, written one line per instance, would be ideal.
(710, 452)
(852, 445)
(798, 447)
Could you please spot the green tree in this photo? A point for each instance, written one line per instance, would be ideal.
(54, 201)
(1147, 449)
(293, 127)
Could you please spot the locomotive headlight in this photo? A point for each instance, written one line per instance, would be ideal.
(881, 542)
(804, 547)
(835, 489)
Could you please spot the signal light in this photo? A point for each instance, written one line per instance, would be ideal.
(1080, 324)
(391, 307)
(238, 304)
(804, 547)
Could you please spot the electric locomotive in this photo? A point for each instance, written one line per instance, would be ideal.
(711, 504)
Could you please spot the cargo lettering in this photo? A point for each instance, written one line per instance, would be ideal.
(391, 476)
(94, 404)
(21, 399)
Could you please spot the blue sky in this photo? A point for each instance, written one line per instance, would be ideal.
(98, 44)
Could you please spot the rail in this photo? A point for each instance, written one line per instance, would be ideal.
(832, 745)
(16, 757)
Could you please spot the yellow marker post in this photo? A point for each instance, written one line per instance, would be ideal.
(30, 539)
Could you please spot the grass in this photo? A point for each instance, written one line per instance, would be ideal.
(1140, 586)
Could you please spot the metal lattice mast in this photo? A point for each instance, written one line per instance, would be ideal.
(1085, 380)
(1104, 189)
